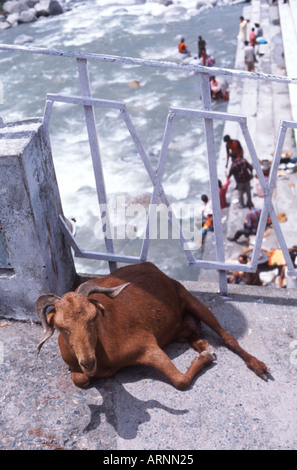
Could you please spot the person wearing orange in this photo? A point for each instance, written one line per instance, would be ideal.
(182, 47)
(207, 226)
(232, 146)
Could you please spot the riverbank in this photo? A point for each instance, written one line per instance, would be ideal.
(264, 104)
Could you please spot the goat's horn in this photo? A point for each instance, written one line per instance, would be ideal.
(42, 303)
(88, 288)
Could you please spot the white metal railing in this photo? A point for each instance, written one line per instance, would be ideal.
(156, 177)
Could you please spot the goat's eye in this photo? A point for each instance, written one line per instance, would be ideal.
(63, 330)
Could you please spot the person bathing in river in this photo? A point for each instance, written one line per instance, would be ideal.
(183, 48)
(215, 89)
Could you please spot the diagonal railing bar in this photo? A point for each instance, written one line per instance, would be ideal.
(158, 183)
(264, 213)
(268, 188)
(161, 193)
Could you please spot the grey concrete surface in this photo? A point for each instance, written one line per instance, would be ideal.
(227, 406)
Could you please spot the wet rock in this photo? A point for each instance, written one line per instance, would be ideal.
(26, 11)
(27, 16)
(14, 6)
(42, 9)
(23, 39)
(13, 19)
(55, 8)
(4, 25)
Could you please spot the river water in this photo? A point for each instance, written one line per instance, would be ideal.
(146, 31)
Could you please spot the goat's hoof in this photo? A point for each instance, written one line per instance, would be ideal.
(259, 368)
(211, 355)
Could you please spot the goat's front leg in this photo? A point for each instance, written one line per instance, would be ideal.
(157, 358)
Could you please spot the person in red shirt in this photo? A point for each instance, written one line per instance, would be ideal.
(232, 146)
(222, 192)
(253, 40)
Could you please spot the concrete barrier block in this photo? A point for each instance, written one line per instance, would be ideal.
(34, 258)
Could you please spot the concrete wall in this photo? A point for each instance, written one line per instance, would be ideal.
(34, 258)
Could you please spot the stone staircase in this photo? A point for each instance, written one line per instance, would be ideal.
(265, 104)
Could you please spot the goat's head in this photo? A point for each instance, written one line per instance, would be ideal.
(74, 315)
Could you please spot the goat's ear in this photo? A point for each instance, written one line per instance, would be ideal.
(98, 305)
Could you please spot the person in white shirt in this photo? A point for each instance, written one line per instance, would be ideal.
(249, 57)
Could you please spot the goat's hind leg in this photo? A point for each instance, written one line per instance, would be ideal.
(203, 313)
(157, 358)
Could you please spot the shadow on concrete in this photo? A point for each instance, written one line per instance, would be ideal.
(135, 412)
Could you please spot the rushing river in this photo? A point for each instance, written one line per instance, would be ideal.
(146, 31)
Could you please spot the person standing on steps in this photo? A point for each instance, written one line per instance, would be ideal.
(232, 146)
(242, 171)
(242, 34)
(249, 57)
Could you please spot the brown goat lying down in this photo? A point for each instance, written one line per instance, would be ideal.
(126, 318)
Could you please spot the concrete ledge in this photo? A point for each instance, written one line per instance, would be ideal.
(37, 260)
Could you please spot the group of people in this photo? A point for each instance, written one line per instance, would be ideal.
(278, 277)
(217, 91)
(203, 58)
(250, 42)
(242, 171)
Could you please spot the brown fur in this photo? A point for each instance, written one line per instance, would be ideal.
(99, 335)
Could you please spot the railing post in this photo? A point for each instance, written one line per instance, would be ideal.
(213, 176)
(96, 158)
